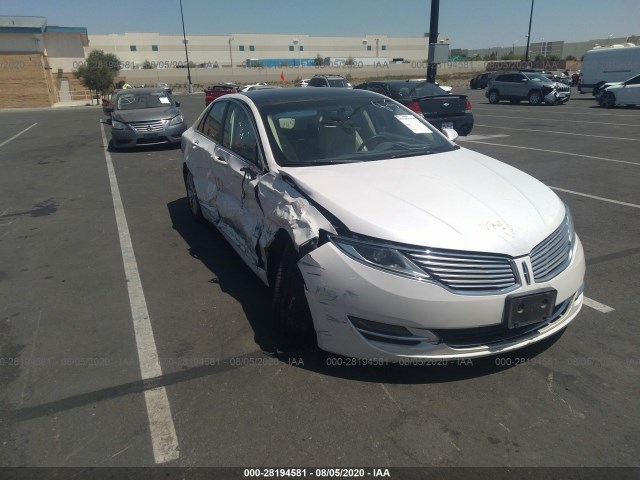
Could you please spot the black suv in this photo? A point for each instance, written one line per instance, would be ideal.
(335, 81)
(532, 86)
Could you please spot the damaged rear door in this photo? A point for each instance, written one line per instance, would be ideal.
(201, 160)
(241, 217)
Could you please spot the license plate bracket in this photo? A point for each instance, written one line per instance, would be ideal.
(521, 310)
(447, 125)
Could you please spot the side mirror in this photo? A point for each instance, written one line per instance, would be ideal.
(524, 80)
(450, 133)
(177, 104)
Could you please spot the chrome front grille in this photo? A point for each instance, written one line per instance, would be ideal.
(553, 254)
(149, 127)
(464, 272)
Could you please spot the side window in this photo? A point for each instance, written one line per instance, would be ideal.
(502, 78)
(212, 124)
(634, 81)
(239, 135)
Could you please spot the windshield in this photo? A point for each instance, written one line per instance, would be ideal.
(136, 100)
(537, 77)
(318, 133)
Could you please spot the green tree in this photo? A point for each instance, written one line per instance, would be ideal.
(318, 61)
(570, 58)
(147, 65)
(98, 71)
(633, 39)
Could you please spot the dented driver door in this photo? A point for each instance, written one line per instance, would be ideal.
(241, 218)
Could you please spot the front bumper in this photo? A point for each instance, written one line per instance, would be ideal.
(341, 290)
(129, 138)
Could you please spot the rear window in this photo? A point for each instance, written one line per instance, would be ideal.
(338, 82)
(416, 90)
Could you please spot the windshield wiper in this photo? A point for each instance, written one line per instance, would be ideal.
(321, 163)
(413, 154)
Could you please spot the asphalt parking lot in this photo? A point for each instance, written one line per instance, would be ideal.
(71, 389)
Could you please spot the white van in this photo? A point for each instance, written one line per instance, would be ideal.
(608, 64)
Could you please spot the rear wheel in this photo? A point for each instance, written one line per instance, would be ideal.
(494, 96)
(535, 98)
(290, 312)
(192, 196)
(608, 100)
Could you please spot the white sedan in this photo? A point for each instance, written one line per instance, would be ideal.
(620, 93)
(378, 236)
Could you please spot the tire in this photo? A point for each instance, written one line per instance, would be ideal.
(608, 100)
(192, 196)
(535, 98)
(290, 314)
(494, 96)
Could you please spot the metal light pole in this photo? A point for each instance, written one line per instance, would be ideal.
(296, 41)
(377, 40)
(526, 55)
(231, 57)
(184, 40)
(432, 67)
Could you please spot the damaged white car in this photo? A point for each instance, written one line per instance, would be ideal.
(378, 234)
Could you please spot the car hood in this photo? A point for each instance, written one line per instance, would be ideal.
(145, 114)
(611, 84)
(457, 200)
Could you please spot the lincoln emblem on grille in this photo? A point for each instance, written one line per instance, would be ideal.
(148, 128)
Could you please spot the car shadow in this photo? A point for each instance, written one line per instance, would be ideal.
(206, 244)
(144, 148)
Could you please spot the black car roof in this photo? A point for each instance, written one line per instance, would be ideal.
(277, 96)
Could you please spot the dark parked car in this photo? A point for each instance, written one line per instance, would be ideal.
(438, 107)
(214, 91)
(481, 81)
(145, 116)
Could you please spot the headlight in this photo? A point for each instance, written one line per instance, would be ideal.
(178, 119)
(118, 125)
(380, 256)
(572, 231)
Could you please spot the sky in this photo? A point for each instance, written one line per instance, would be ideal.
(468, 23)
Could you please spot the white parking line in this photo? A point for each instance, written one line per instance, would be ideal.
(471, 138)
(562, 110)
(163, 433)
(559, 133)
(565, 120)
(17, 135)
(601, 307)
(596, 198)
(549, 151)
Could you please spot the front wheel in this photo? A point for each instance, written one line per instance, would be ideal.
(290, 312)
(608, 100)
(535, 98)
(494, 96)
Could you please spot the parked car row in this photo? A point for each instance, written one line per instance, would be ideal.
(360, 215)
